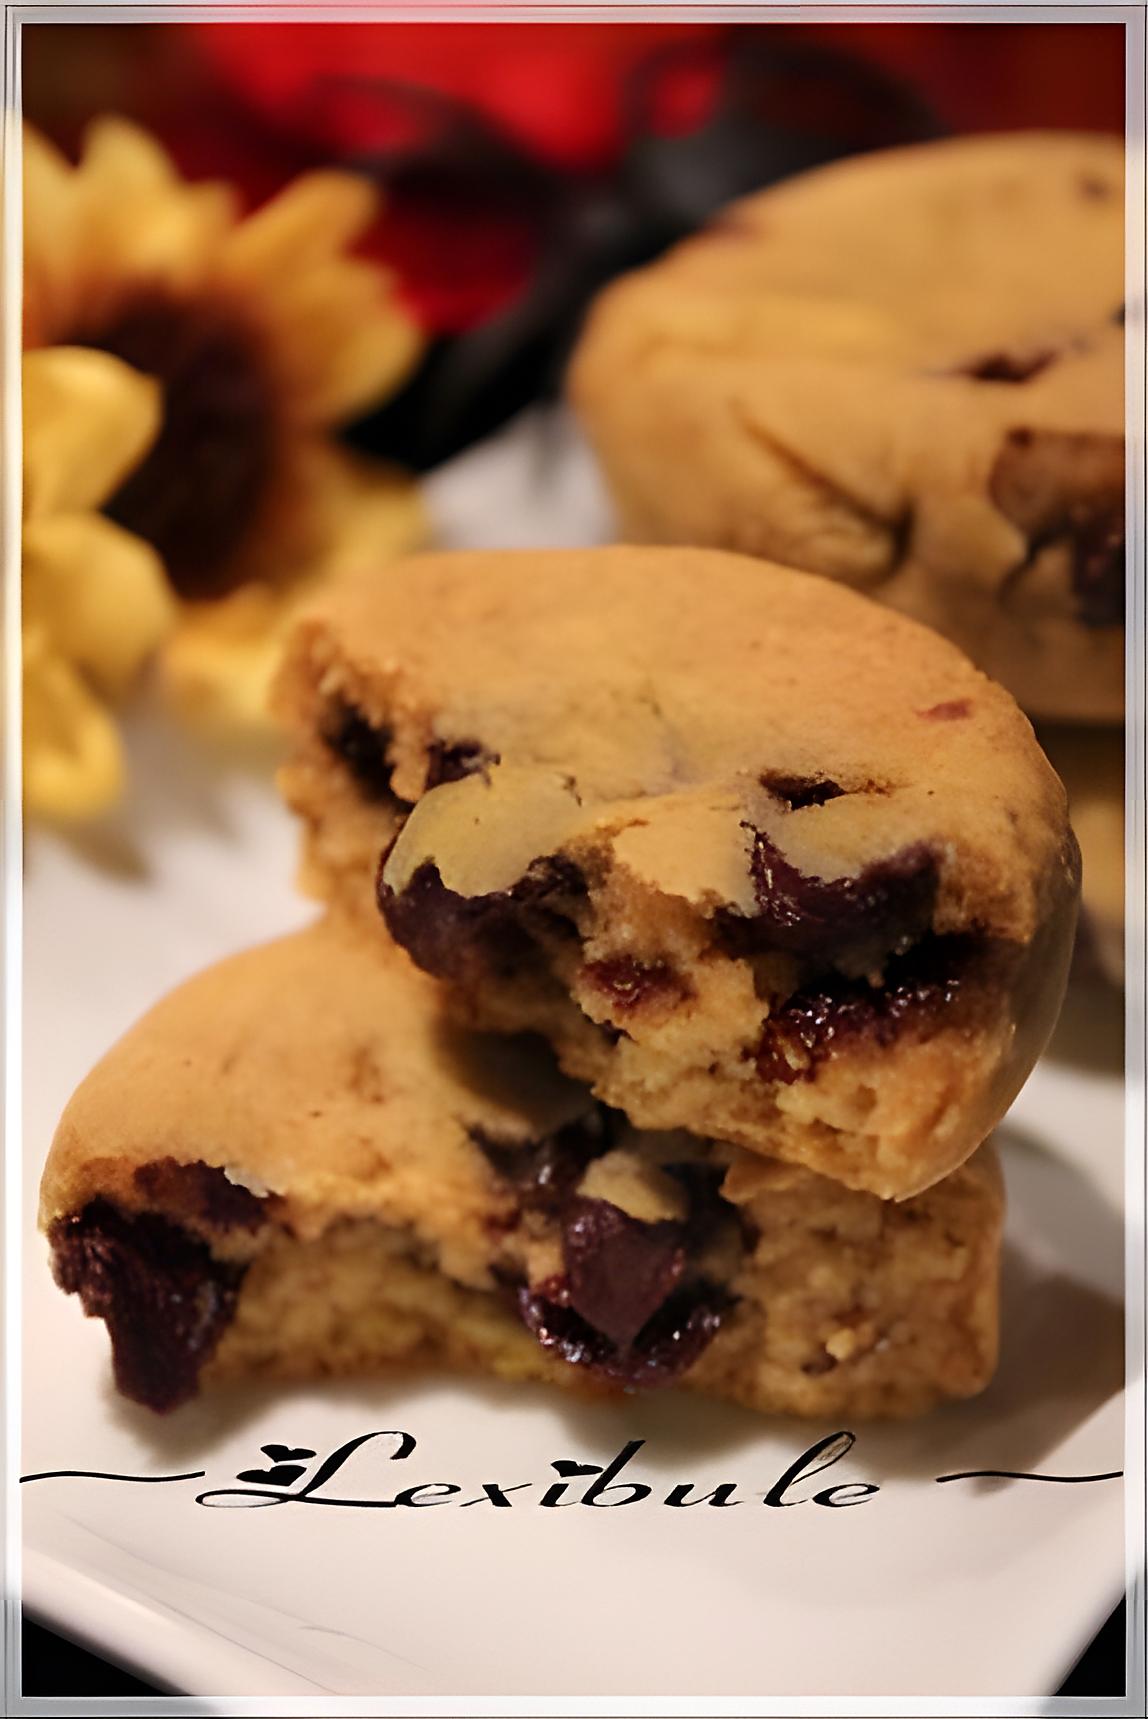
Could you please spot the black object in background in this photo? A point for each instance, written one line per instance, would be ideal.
(781, 107)
(1100, 1668)
(53, 1666)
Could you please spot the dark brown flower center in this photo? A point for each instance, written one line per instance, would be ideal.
(199, 489)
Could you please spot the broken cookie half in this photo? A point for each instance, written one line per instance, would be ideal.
(760, 859)
(294, 1167)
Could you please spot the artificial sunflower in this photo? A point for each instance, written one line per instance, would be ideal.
(264, 334)
(96, 601)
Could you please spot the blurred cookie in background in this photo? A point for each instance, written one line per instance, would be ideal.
(1090, 763)
(903, 371)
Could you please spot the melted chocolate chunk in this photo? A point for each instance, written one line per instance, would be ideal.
(463, 937)
(630, 984)
(201, 487)
(200, 1194)
(796, 792)
(1098, 569)
(1009, 366)
(166, 1301)
(619, 1270)
(451, 760)
(706, 1211)
(362, 748)
(1060, 487)
(457, 937)
(546, 1172)
(849, 921)
(620, 1306)
(551, 877)
(930, 981)
(662, 1351)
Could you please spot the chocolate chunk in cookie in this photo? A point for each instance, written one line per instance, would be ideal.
(361, 748)
(1066, 493)
(200, 1194)
(164, 1298)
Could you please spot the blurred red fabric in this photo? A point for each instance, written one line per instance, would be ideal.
(260, 102)
(557, 91)
(555, 88)
(553, 91)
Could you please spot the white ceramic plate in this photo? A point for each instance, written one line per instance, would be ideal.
(969, 1588)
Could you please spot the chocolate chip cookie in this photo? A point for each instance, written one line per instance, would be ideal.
(904, 371)
(293, 1166)
(760, 858)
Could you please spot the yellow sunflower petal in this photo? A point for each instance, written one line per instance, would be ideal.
(100, 594)
(370, 511)
(120, 153)
(342, 342)
(120, 223)
(374, 360)
(49, 238)
(315, 216)
(153, 242)
(88, 421)
(216, 669)
(141, 226)
(45, 166)
(73, 760)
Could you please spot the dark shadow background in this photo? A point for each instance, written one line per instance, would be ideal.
(53, 1666)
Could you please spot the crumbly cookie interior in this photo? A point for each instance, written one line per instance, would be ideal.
(816, 1300)
(853, 1024)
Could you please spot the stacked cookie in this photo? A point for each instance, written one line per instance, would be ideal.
(905, 371)
(784, 885)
